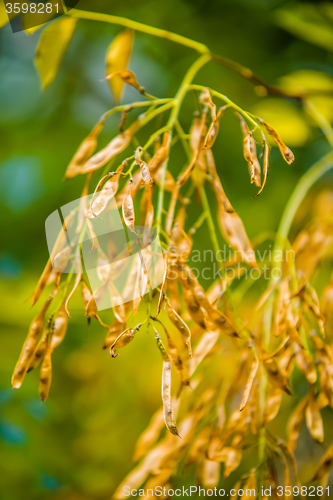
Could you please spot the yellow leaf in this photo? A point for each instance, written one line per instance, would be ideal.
(52, 47)
(117, 58)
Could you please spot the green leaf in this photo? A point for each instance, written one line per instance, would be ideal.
(310, 22)
(52, 47)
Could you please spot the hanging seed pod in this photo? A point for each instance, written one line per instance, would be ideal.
(161, 155)
(286, 153)
(128, 77)
(196, 312)
(84, 152)
(111, 150)
(249, 384)
(250, 153)
(106, 194)
(180, 325)
(116, 328)
(145, 173)
(324, 465)
(94, 239)
(149, 435)
(272, 406)
(42, 281)
(176, 359)
(128, 209)
(296, 421)
(265, 166)
(162, 294)
(275, 376)
(45, 376)
(29, 347)
(166, 390)
(123, 339)
(314, 421)
(59, 328)
(213, 129)
(41, 347)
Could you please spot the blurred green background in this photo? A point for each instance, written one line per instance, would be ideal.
(78, 445)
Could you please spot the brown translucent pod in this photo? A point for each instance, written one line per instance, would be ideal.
(296, 421)
(123, 339)
(45, 376)
(42, 281)
(325, 464)
(59, 328)
(195, 310)
(272, 405)
(177, 360)
(313, 420)
(161, 155)
(265, 166)
(172, 288)
(149, 435)
(213, 130)
(286, 153)
(169, 419)
(29, 347)
(128, 77)
(250, 153)
(84, 152)
(250, 380)
(113, 332)
(275, 376)
(231, 457)
(78, 278)
(162, 294)
(41, 347)
(128, 209)
(111, 150)
(180, 325)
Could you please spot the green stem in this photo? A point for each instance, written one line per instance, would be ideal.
(144, 28)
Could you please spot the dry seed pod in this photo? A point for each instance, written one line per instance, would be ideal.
(231, 458)
(128, 209)
(59, 328)
(41, 347)
(180, 325)
(195, 310)
(128, 77)
(106, 194)
(213, 129)
(29, 347)
(149, 435)
(177, 360)
(324, 465)
(115, 146)
(166, 390)
(123, 339)
(273, 403)
(275, 376)
(113, 332)
(253, 373)
(77, 281)
(296, 421)
(84, 152)
(250, 153)
(206, 100)
(145, 173)
(161, 155)
(42, 281)
(265, 166)
(45, 376)
(313, 420)
(287, 154)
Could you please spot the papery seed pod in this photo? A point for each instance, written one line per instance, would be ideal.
(204, 347)
(265, 166)
(325, 464)
(249, 383)
(29, 347)
(106, 194)
(172, 288)
(161, 155)
(169, 181)
(128, 209)
(213, 129)
(128, 77)
(149, 435)
(42, 281)
(123, 339)
(117, 58)
(296, 421)
(287, 154)
(195, 310)
(313, 420)
(231, 458)
(206, 100)
(176, 359)
(113, 333)
(275, 376)
(250, 153)
(166, 390)
(41, 347)
(162, 294)
(45, 376)
(145, 173)
(111, 150)
(272, 405)
(305, 363)
(84, 152)
(83, 205)
(59, 328)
